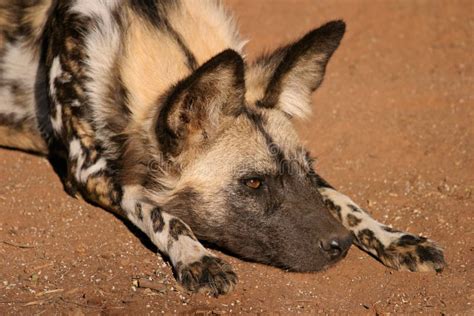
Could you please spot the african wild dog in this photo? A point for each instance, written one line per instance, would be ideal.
(161, 120)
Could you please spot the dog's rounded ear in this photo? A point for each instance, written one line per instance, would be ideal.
(194, 108)
(286, 78)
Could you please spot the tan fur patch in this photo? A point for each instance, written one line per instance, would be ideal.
(195, 20)
(257, 77)
(84, 131)
(25, 140)
(100, 189)
(152, 61)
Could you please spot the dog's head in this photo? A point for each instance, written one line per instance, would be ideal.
(245, 182)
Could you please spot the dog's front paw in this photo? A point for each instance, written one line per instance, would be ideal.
(413, 253)
(210, 274)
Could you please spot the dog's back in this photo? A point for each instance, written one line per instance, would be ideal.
(138, 46)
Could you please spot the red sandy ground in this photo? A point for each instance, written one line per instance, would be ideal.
(392, 127)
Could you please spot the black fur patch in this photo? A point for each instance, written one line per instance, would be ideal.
(431, 254)
(153, 11)
(190, 58)
(353, 220)
(390, 229)
(408, 260)
(354, 208)
(335, 209)
(318, 181)
(367, 238)
(315, 178)
(424, 253)
(157, 220)
(410, 240)
(138, 211)
(178, 228)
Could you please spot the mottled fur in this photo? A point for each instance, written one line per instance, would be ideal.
(160, 119)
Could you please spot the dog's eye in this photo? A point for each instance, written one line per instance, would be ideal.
(253, 183)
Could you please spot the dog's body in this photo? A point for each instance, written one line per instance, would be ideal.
(161, 121)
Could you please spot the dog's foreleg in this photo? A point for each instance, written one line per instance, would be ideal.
(196, 268)
(394, 248)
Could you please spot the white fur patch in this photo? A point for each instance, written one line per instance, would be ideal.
(86, 173)
(131, 194)
(186, 250)
(56, 71)
(75, 149)
(295, 101)
(19, 64)
(76, 103)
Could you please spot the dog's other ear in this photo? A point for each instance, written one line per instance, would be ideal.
(196, 106)
(286, 78)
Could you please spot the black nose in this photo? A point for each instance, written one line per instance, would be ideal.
(336, 247)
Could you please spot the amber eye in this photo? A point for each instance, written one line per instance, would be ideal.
(253, 183)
